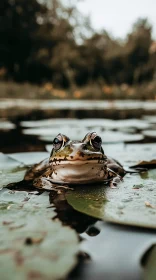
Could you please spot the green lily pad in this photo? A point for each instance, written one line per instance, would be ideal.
(150, 266)
(10, 170)
(29, 158)
(14, 166)
(131, 154)
(124, 204)
(7, 163)
(33, 246)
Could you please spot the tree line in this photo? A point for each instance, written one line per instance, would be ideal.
(48, 41)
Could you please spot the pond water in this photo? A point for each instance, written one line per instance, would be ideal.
(22, 136)
(120, 109)
(129, 140)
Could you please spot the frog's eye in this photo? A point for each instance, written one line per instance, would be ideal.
(95, 141)
(58, 142)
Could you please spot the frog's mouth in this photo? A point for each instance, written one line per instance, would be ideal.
(77, 161)
(79, 172)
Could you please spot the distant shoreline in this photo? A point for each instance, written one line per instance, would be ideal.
(92, 91)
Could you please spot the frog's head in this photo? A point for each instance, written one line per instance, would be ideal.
(78, 161)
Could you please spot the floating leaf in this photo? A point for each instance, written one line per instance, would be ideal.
(145, 163)
(150, 119)
(10, 170)
(29, 158)
(13, 166)
(49, 123)
(148, 204)
(150, 265)
(46, 130)
(32, 244)
(131, 154)
(48, 133)
(6, 125)
(124, 205)
(149, 134)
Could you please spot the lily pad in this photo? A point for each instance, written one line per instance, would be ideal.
(14, 166)
(49, 123)
(118, 137)
(7, 163)
(48, 133)
(29, 158)
(145, 163)
(149, 133)
(150, 119)
(10, 170)
(131, 154)
(46, 130)
(6, 125)
(120, 124)
(33, 246)
(123, 205)
(150, 266)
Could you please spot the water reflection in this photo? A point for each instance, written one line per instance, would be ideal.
(80, 222)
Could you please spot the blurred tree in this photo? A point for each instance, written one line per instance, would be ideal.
(18, 26)
(38, 40)
(50, 40)
(137, 50)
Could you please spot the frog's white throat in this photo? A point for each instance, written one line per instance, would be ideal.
(79, 172)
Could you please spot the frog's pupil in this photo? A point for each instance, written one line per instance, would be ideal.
(56, 141)
(97, 142)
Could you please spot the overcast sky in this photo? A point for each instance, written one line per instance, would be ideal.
(117, 16)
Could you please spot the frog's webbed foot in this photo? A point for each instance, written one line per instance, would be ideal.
(116, 178)
(114, 182)
(43, 183)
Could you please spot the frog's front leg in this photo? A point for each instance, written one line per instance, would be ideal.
(36, 170)
(47, 184)
(43, 183)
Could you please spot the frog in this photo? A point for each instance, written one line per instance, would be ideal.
(73, 162)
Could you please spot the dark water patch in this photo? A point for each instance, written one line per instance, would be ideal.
(13, 141)
(80, 222)
(92, 231)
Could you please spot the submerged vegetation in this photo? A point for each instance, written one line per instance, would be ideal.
(53, 45)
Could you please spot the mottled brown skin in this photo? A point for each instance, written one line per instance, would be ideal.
(75, 162)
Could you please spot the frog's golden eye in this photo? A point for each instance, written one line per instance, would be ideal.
(95, 141)
(59, 141)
